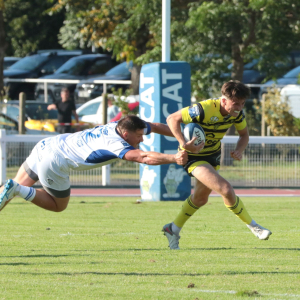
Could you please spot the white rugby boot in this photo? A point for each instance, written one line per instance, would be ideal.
(9, 192)
(172, 237)
(260, 232)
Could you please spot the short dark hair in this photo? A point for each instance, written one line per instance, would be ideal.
(65, 89)
(131, 123)
(235, 89)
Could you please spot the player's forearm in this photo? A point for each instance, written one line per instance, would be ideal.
(175, 128)
(242, 143)
(160, 128)
(154, 158)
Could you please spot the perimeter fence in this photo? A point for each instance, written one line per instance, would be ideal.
(267, 162)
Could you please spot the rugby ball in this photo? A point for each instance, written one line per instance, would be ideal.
(194, 130)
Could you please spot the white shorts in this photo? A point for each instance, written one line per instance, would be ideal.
(50, 167)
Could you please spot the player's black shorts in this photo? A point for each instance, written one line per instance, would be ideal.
(197, 160)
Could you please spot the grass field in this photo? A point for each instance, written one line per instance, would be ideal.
(110, 248)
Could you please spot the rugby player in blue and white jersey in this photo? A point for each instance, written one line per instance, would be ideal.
(215, 116)
(52, 158)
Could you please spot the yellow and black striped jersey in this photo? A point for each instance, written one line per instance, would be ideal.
(207, 114)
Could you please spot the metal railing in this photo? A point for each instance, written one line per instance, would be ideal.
(46, 81)
(267, 162)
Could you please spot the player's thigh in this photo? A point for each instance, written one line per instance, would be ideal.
(61, 203)
(50, 202)
(54, 175)
(208, 176)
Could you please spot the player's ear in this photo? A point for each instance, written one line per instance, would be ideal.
(125, 135)
(223, 100)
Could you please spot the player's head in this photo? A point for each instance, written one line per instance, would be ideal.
(131, 128)
(234, 95)
(235, 89)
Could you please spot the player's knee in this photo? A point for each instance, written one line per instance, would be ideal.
(60, 209)
(199, 201)
(227, 190)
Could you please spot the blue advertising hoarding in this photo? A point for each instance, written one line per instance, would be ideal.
(164, 89)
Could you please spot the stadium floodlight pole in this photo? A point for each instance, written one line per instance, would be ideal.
(166, 24)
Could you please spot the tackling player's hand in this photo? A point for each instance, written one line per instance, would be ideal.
(181, 157)
(236, 155)
(190, 147)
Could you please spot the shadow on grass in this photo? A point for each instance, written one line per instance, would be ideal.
(187, 249)
(15, 264)
(286, 249)
(153, 249)
(232, 273)
(37, 256)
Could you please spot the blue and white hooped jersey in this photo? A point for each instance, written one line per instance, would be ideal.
(91, 148)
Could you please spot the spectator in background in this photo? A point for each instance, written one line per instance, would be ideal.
(112, 110)
(65, 107)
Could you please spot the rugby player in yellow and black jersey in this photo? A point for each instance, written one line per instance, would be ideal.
(215, 116)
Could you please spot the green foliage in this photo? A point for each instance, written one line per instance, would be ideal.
(278, 116)
(112, 248)
(119, 100)
(297, 122)
(207, 34)
(253, 122)
(131, 29)
(237, 31)
(30, 27)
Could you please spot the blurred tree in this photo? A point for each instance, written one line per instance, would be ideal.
(131, 29)
(29, 26)
(278, 116)
(222, 31)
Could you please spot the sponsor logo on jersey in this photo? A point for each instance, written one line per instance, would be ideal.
(194, 112)
(125, 144)
(49, 180)
(214, 119)
(79, 142)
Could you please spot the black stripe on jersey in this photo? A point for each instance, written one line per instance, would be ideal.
(214, 130)
(209, 152)
(240, 117)
(212, 144)
(241, 114)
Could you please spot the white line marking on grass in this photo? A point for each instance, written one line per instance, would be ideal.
(65, 234)
(282, 295)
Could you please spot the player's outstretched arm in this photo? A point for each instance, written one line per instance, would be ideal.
(160, 128)
(241, 144)
(155, 158)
